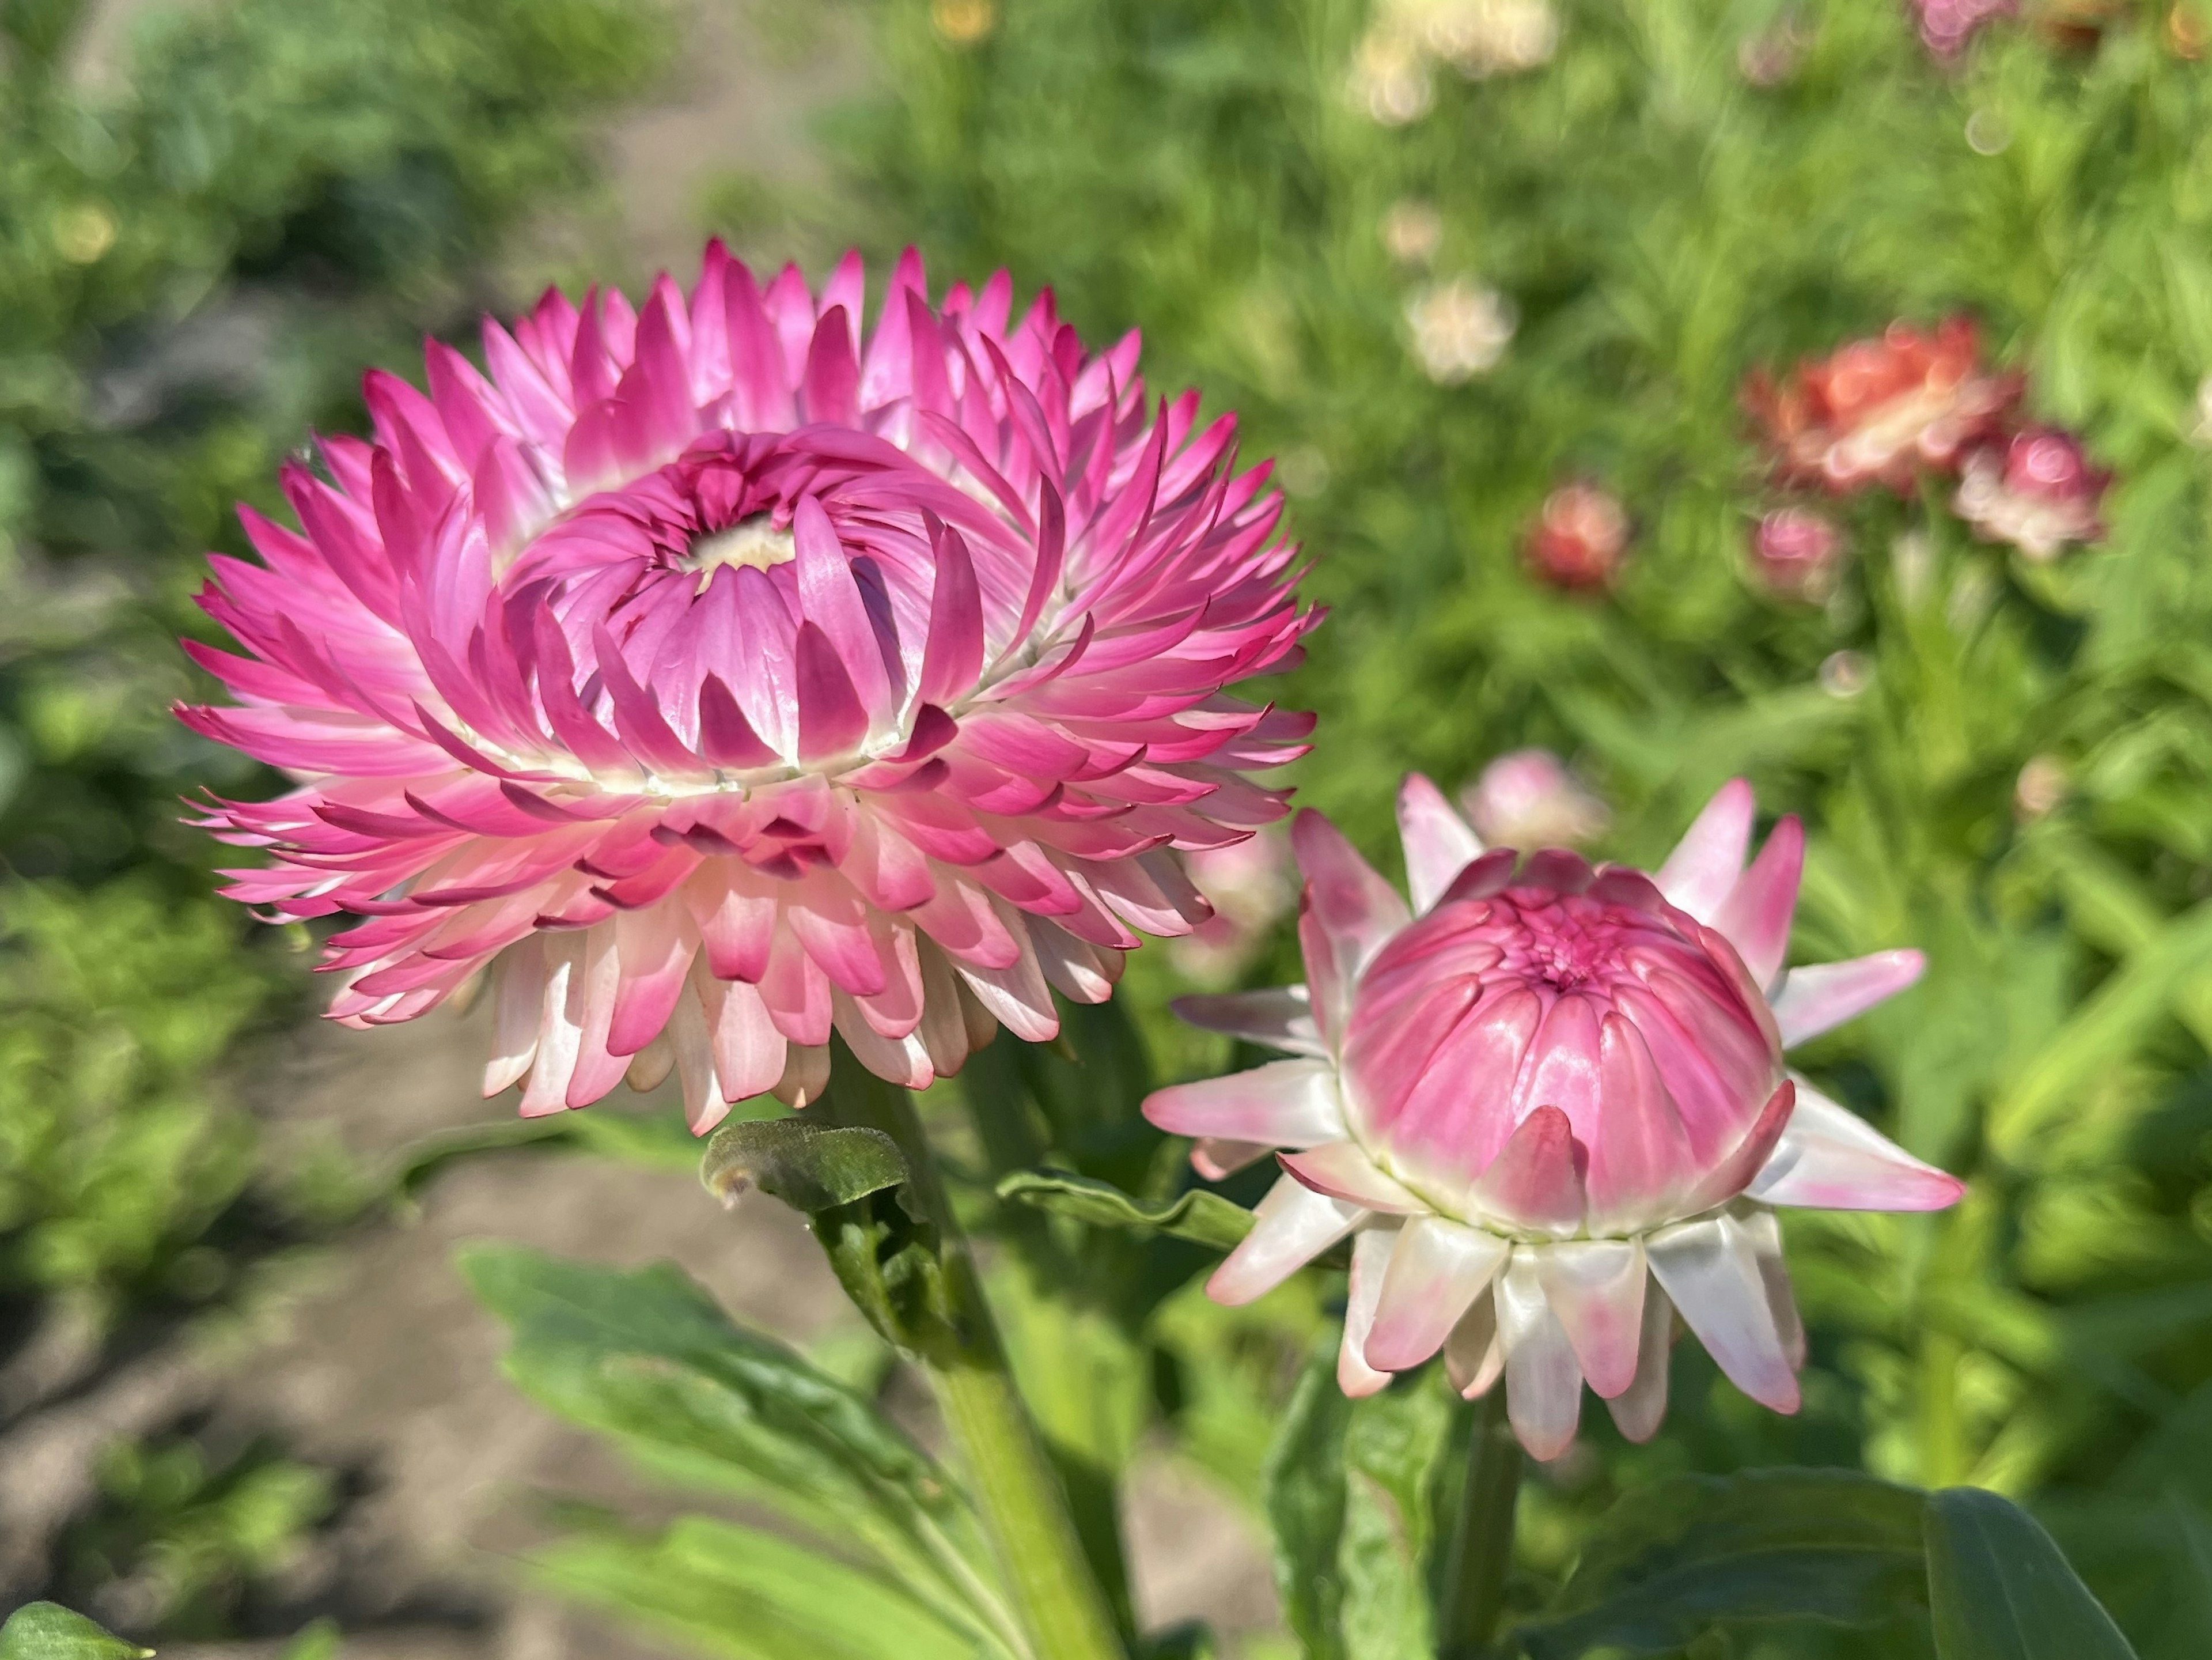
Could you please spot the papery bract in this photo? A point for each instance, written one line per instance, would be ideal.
(722, 675)
(1548, 1103)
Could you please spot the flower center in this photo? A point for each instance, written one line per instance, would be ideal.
(753, 541)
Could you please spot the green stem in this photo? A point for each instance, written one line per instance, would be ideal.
(1024, 1508)
(1482, 1539)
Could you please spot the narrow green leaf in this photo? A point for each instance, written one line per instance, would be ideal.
(646, 1358)
(811, 1167)
(1678, 1559)
(748, 1595)
(47, 1631)
(1201, 1216)
(1304, 1488)
(1999, 1589)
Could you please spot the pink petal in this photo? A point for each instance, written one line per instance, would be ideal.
(1543, 1384)
(1343, 1170)
(1711, 1271)
(1281, 1019)
(1823, 995)
(1705, 864)
(1370, 1253)
(1284, 1104)
(1595, 1287)
(1639, 1155)
(1830, 1158)
(1293, 1225)
(1437, 1270)
(1438, 844)
(1638, 1410)
(1534, 1182)
(1357, 909)
(1755, 917)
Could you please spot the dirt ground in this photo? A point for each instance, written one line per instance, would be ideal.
(380, 1364)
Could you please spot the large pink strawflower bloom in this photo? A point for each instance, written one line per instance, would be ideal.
(721, 677)
(1558, 1085)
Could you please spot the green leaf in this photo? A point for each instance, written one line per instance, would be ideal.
(1677, 1558)
(1304, 1488)
(646, 1358)
(811, 1167)
(1201, 1216)
(1999, 1589)
(1390, 1453)
(47, 1631)
(748, 1594)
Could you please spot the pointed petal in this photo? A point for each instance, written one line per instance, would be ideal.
(1830, 1158)
(1474, 1358)
(1705, 864)
(1284, 1104)
(1438, 844)
(1823, 995)
(1638, 1411)
(1639, 1153)
(1437, 1270)
(1596, 1290)
(1543, 1384)
(1281, 1018)
(1763, 1229)
(1750, 1156)
(1533, 1182)
(1755, 917)
(1371, 1255)
(1343, 1170)
(1294, 1225)
(1358, 911)
(1216, 1158)
(1711, 1271)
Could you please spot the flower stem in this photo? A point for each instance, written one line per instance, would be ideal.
(1482, 1539)
(1023, 1507)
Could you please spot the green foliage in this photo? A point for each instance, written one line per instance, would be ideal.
(115, 1155)
(1957, 1575)
(1200, 1215)
(46, 1631)
(647, 1359)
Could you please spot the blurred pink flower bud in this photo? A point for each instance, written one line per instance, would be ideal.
(1528, 799)
(1579, 537)
(1252, 889)
(2038, 493)
(1797, 552)
(1946, 26)
(1549, 1105)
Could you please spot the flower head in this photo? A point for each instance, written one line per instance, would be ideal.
(1795, 551)
(1459, 328)
(2038, 491)
(1946, 26)
(1549, 1104)
(1528, 798)
(1579, 538)
(722, 677)
(1878, 411)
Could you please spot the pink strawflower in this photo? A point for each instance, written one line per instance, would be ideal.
(1796, 552)
(1251, 889)
(1561, 1086)
(1946, 26)
(1528, 798)
(2038, 492)
(1579, 538)
(721, 677)
(1876, 411)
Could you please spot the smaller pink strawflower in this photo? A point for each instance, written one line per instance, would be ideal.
(1946, 26)
(1558, 1085)
(1796, 552)
(1528, 799)
(2039, 492)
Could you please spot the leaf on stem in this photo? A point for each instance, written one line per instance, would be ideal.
(811, 1167)
(1201, 1216)
(1999, 1589)
(47, 1631)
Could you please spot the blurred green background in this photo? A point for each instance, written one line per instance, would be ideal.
(212, 216)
